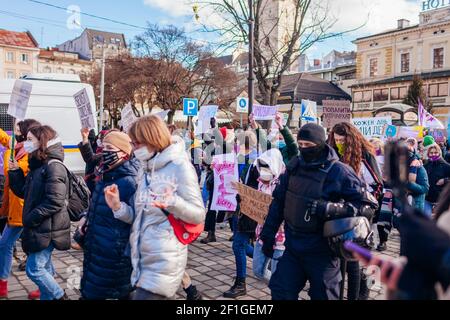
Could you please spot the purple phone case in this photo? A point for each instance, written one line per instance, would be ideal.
(352, 247)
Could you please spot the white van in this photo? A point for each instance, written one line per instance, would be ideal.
(52, 103)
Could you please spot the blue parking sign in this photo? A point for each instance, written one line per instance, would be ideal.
(190, 107)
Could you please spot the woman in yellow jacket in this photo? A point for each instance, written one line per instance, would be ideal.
(12, 205)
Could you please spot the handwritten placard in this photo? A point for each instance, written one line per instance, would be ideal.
(225, 169)
(128, 117)
(84, 109)
(335, 111)
(254, 204)
(264, 112)
(20, 97)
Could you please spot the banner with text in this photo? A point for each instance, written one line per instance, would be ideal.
(225, 169)
(336, 111)
(372, 127)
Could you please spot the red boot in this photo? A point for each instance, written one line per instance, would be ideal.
(3, 289)
(34, 295)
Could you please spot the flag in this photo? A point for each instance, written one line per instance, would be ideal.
(427, 120)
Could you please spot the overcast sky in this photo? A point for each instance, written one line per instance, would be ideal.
(48, 24)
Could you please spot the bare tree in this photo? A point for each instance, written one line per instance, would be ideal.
(279, 39)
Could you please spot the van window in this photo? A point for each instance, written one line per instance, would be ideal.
(6, 121)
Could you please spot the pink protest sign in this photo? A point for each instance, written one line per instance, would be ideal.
(225, 173)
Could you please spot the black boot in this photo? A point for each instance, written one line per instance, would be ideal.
(364, 290)
(192, 293)
(237, 290)
(382, 247)
(211, 237)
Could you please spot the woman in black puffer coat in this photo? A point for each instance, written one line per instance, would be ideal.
(107, 267)
(45, 217)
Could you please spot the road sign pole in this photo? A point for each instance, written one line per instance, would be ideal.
(241, 121)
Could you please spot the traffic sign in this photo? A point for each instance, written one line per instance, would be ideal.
(242, 105)
(190, 107)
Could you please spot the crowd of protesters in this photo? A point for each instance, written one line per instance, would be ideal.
(149, 190)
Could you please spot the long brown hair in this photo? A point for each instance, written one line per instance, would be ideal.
(44, 134)
(355, 144)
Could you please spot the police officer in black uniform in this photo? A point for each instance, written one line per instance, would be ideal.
(316, 188)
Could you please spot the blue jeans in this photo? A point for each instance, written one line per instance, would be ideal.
(242, 249)
(7, 240)
(205, 194)
(40, 270)
(261, 262)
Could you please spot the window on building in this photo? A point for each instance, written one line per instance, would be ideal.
(24, 58)
(381, 95)
(10, 75)
(403, 92)
(357, 96)
(367, 96)
(9, 56)
(47, 70)
(404, 61)
(438, 89)
(438, 58)
(373, 67)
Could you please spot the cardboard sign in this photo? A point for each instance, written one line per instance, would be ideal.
(204, 118)
(372, 127)
(225, 169)
(309, 111)
(20, 97)
(264, 112)
(84, 109)
(128, 117)
(254, 204)
(439, 135)
(336, 111)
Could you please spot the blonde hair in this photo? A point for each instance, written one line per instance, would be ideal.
(377, 143)
(152, 132)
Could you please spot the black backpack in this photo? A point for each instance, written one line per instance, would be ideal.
(79, 194)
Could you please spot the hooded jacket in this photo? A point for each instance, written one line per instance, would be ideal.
(12, 205)
(45, 193)
(159, 259)
(106, 267)
(436, 171)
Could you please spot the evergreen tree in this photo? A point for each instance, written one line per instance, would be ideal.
(416, 92)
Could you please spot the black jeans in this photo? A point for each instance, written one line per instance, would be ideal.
(141, 294)
(354, 279)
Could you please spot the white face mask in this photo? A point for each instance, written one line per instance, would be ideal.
(266, 175)
(99, 143)
(30, 146)
(142, 154)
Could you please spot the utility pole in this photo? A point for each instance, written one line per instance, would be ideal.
(251, 76)
(102, 88)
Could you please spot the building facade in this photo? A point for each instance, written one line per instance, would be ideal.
(91, 43)
(18, 54)
(387, 63)
(54, 61)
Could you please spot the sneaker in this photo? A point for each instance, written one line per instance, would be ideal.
(239, 289)
(34, 295)
(193, 294)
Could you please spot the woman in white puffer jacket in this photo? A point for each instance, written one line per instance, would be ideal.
(167, 181)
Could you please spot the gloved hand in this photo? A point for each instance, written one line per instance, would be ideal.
(318, 208)
(267, 247)
(213, 122)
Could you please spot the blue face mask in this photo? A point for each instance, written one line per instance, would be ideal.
(281, 144)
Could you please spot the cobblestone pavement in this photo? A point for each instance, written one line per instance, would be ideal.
(211, 267)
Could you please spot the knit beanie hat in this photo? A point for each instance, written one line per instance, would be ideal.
(428, 141)
(120, 140)
(312, 132)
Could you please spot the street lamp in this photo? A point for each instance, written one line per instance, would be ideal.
(251, 77)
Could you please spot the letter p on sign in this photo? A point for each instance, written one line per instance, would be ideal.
(190, 107)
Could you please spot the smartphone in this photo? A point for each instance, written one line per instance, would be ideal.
(352, 247)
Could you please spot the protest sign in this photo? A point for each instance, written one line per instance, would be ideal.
(225, 169)
(20, 97)
(335, 111)
(439, 135)
(372, 127)
(254, 204)
(309, 111)
(84, 109)
(391, 132)
(128, 117)
(204, 118)
(264, 112)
